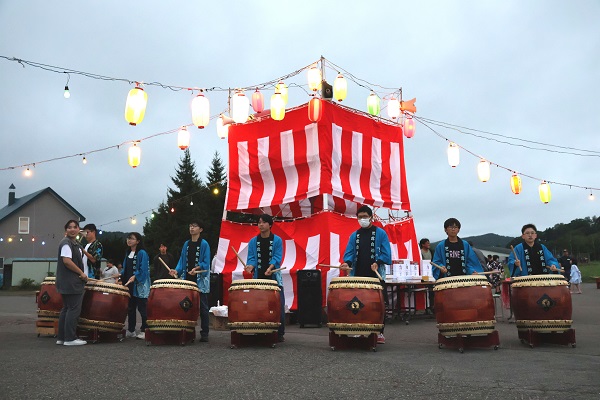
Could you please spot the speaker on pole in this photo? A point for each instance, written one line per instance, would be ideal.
(310, 297)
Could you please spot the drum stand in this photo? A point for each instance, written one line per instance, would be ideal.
(46, 328)
(534, 338)
(367, 342)
(181, 337)
(469, 341)
(95, 335)
(257, 339)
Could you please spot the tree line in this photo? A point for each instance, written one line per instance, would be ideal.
(580, 236)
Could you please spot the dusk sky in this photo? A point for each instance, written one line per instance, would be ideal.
(524, 77)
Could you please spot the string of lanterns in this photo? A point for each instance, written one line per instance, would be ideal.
(398, 111)
(484, 170)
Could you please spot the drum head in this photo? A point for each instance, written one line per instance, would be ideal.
(174, 284)
(539, 280)
(453, 282)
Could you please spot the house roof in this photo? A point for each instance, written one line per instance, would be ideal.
(22, 201)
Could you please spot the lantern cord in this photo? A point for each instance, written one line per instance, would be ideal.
(498, 165)
(464, 130)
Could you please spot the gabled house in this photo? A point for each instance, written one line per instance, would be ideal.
(31, 226)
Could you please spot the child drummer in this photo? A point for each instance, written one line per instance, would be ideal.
(368, 252)
(454, 256)
(531, 257)
(265, 252)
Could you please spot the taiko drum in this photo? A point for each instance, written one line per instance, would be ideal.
(173, 305)
(254, 306)
(49, 301)
(355, 306)
(104, 306)
(541, 303)
(464, 305)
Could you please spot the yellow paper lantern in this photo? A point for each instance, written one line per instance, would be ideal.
(183, 138)
(315, 109)
(135, 107)
(283, 90)
(277, 106)
(314, 78)
(200, 111)
(134, 155)
(545, 194)
(340, 88)
(515, 184)
(453, 154)
(483, 170)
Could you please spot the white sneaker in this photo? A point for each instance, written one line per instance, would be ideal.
(76, 342)
(60, 342)
(130, 334)
(141, 335)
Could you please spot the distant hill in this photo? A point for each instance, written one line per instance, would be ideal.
(489, 241)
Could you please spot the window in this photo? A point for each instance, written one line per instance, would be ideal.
(23, 225)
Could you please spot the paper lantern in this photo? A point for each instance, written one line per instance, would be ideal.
(240, 107)
(183, 138)
(222, 127)
(277, 106)
(340, 88)
(483, 170)
(315, 109)
(453, 154)
(258, 101)
(314, 78)
(135, 107)
(373, 104)
(515, 184)
(283, 90)
(134, 155)
(409, 127)
(545, 194)
(200, 111)
(393, 108)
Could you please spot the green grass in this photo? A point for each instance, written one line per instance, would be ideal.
(589, 270)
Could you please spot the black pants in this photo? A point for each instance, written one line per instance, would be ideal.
(204, 314)
(139, 304)
(67, 321)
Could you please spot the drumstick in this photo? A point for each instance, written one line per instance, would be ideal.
(198, 272)
(278, 269)
(110, 277)
(166, 266)
(489, 273)
(516, 258)
(238, 256)
(330, 266)
(379, 276)
(437, 266)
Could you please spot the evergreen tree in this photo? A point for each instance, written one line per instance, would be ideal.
(214, 201)
(170, 222)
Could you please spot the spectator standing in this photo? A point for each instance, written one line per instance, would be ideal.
(575, 278)
(425, 246)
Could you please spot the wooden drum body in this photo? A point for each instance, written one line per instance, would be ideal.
(173, 305)
(541, 303)
(49, 301)
(464, 305)
(104, 306)
(355, 306)
(254, 306)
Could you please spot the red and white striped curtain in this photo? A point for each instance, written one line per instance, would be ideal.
(320, 239)
(350, 156)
